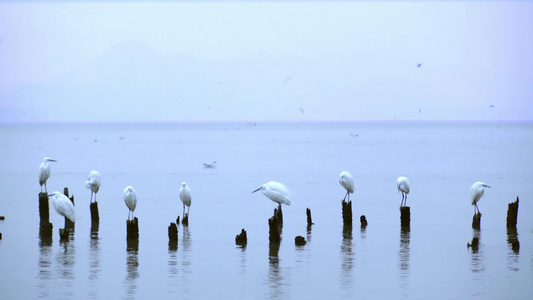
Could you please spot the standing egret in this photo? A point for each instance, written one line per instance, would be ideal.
(93, 183)
(44, 172)
(185, 196)
(63, 205)
(403, 186)
(476, 192)
(131, 200)
(346, 180)
(276, 192)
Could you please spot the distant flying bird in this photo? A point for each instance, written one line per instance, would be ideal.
(419, 110)
(93, 183)
(276, 192)
(287, 79)
(130, 198)
(476, 192)
(418, 65)
(63, 205)
(210, 166)
(403, 186)
(44, 172)
(346, 180)
(302, 110)
(492, 106)
(185, 196)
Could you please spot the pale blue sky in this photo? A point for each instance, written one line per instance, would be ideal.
(263, 61)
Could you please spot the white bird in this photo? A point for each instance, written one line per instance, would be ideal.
(403, 186)
(63, 205)
(93, 183)
(476, 192)
(346, 180)
(276, 192)
(210, 166)
(185, 196)
(44, 172)
(130, 198)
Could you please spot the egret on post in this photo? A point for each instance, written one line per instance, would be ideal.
(402, 183)
(130, 198)
(346, 180)
(63, 205)
(93, 183)
(276, 192)
(476, 192)
(44, 172)
(185, 196)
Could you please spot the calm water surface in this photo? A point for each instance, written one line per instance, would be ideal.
(431, 260)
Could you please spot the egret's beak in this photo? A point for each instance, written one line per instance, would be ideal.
(486, 186)
(53, 160)
(256, 190)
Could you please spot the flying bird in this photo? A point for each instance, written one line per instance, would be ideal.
(63, 205)
(185, 196)
(346, 180)
(44, 172)
(418, 65)
(210, 166)
(276, 192)
(130, 198)
(476, 192)
(302, 110)
(93, 183)
(403, 186)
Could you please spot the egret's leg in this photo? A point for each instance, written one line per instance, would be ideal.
(45, 189)
(94, 197)
(405, 203)
(188, 209)
(183, 215)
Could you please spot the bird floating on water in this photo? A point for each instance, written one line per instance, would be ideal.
(346, 180)
(210, 166)
(185, 196)
(276, 192)
(44, 172)
(63, 205)
(93, 183)
(476, 192)
(130, 198)
(402, 183)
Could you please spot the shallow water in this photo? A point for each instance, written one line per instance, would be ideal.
(431, 260)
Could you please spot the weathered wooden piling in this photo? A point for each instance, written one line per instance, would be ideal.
(347, 213)
(405, 216)
(279, 214)
(241, 239)
(95, 215)
(185, 220)
(512, 239)
(2, 218)
(274, 235)
(46, 230)
(476, 221)
(173, 232)
(64, 234)
(132, 227)
(44, 211)
(68, 223)
(512, 214)
(299, 241)
(363, 220)
(474, 244)
(309, 219)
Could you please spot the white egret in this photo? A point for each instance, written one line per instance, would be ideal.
(185, 196)
(210, 166)
(476, 192)
(346, 180)
(44, 172)
(403, 186)
(63, 205)
(130, 198)
(276, 192)
(93, 183)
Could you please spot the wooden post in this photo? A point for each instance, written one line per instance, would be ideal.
(273, 233)
(405, 216)
(309, 219)
(346, 213)
(512, 239)
(46, 228)
(279, 214)
(512, 214)
(241, 239)
(299, 241)
(95, 216)
(173, 232)
(474, 245)
(185, 221)
(68, 223)
(132, 227)
(364, 222)
(64, 234)
(476, 221)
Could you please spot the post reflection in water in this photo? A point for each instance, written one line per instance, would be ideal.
(94, 259)
(514, 249)
(132, 266)
(476, 254)
(347, 257)
(45, 267)
(185, 270)
(65, 259)
(404, 255)
(274, 274)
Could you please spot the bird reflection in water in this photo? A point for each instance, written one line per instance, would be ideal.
(347, 257)
(404, 254)
(274, 274)
(94, 259)
(132, 266)
(514, 245)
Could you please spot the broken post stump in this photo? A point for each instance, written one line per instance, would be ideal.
(273, 233)
(64, 234)
(405, 216)
(44, 211)
(95, 216)
(279, 214)
(363, 220)
(241, 239)
(347, 213)
(185, 220)
(68, 223)
(45, 230)
(474, 245)
(132, 227)
(512, 213)
(173, 232)
(309, 219)
(476, 221)
(299, 241)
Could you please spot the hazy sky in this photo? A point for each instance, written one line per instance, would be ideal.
(266, 61)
